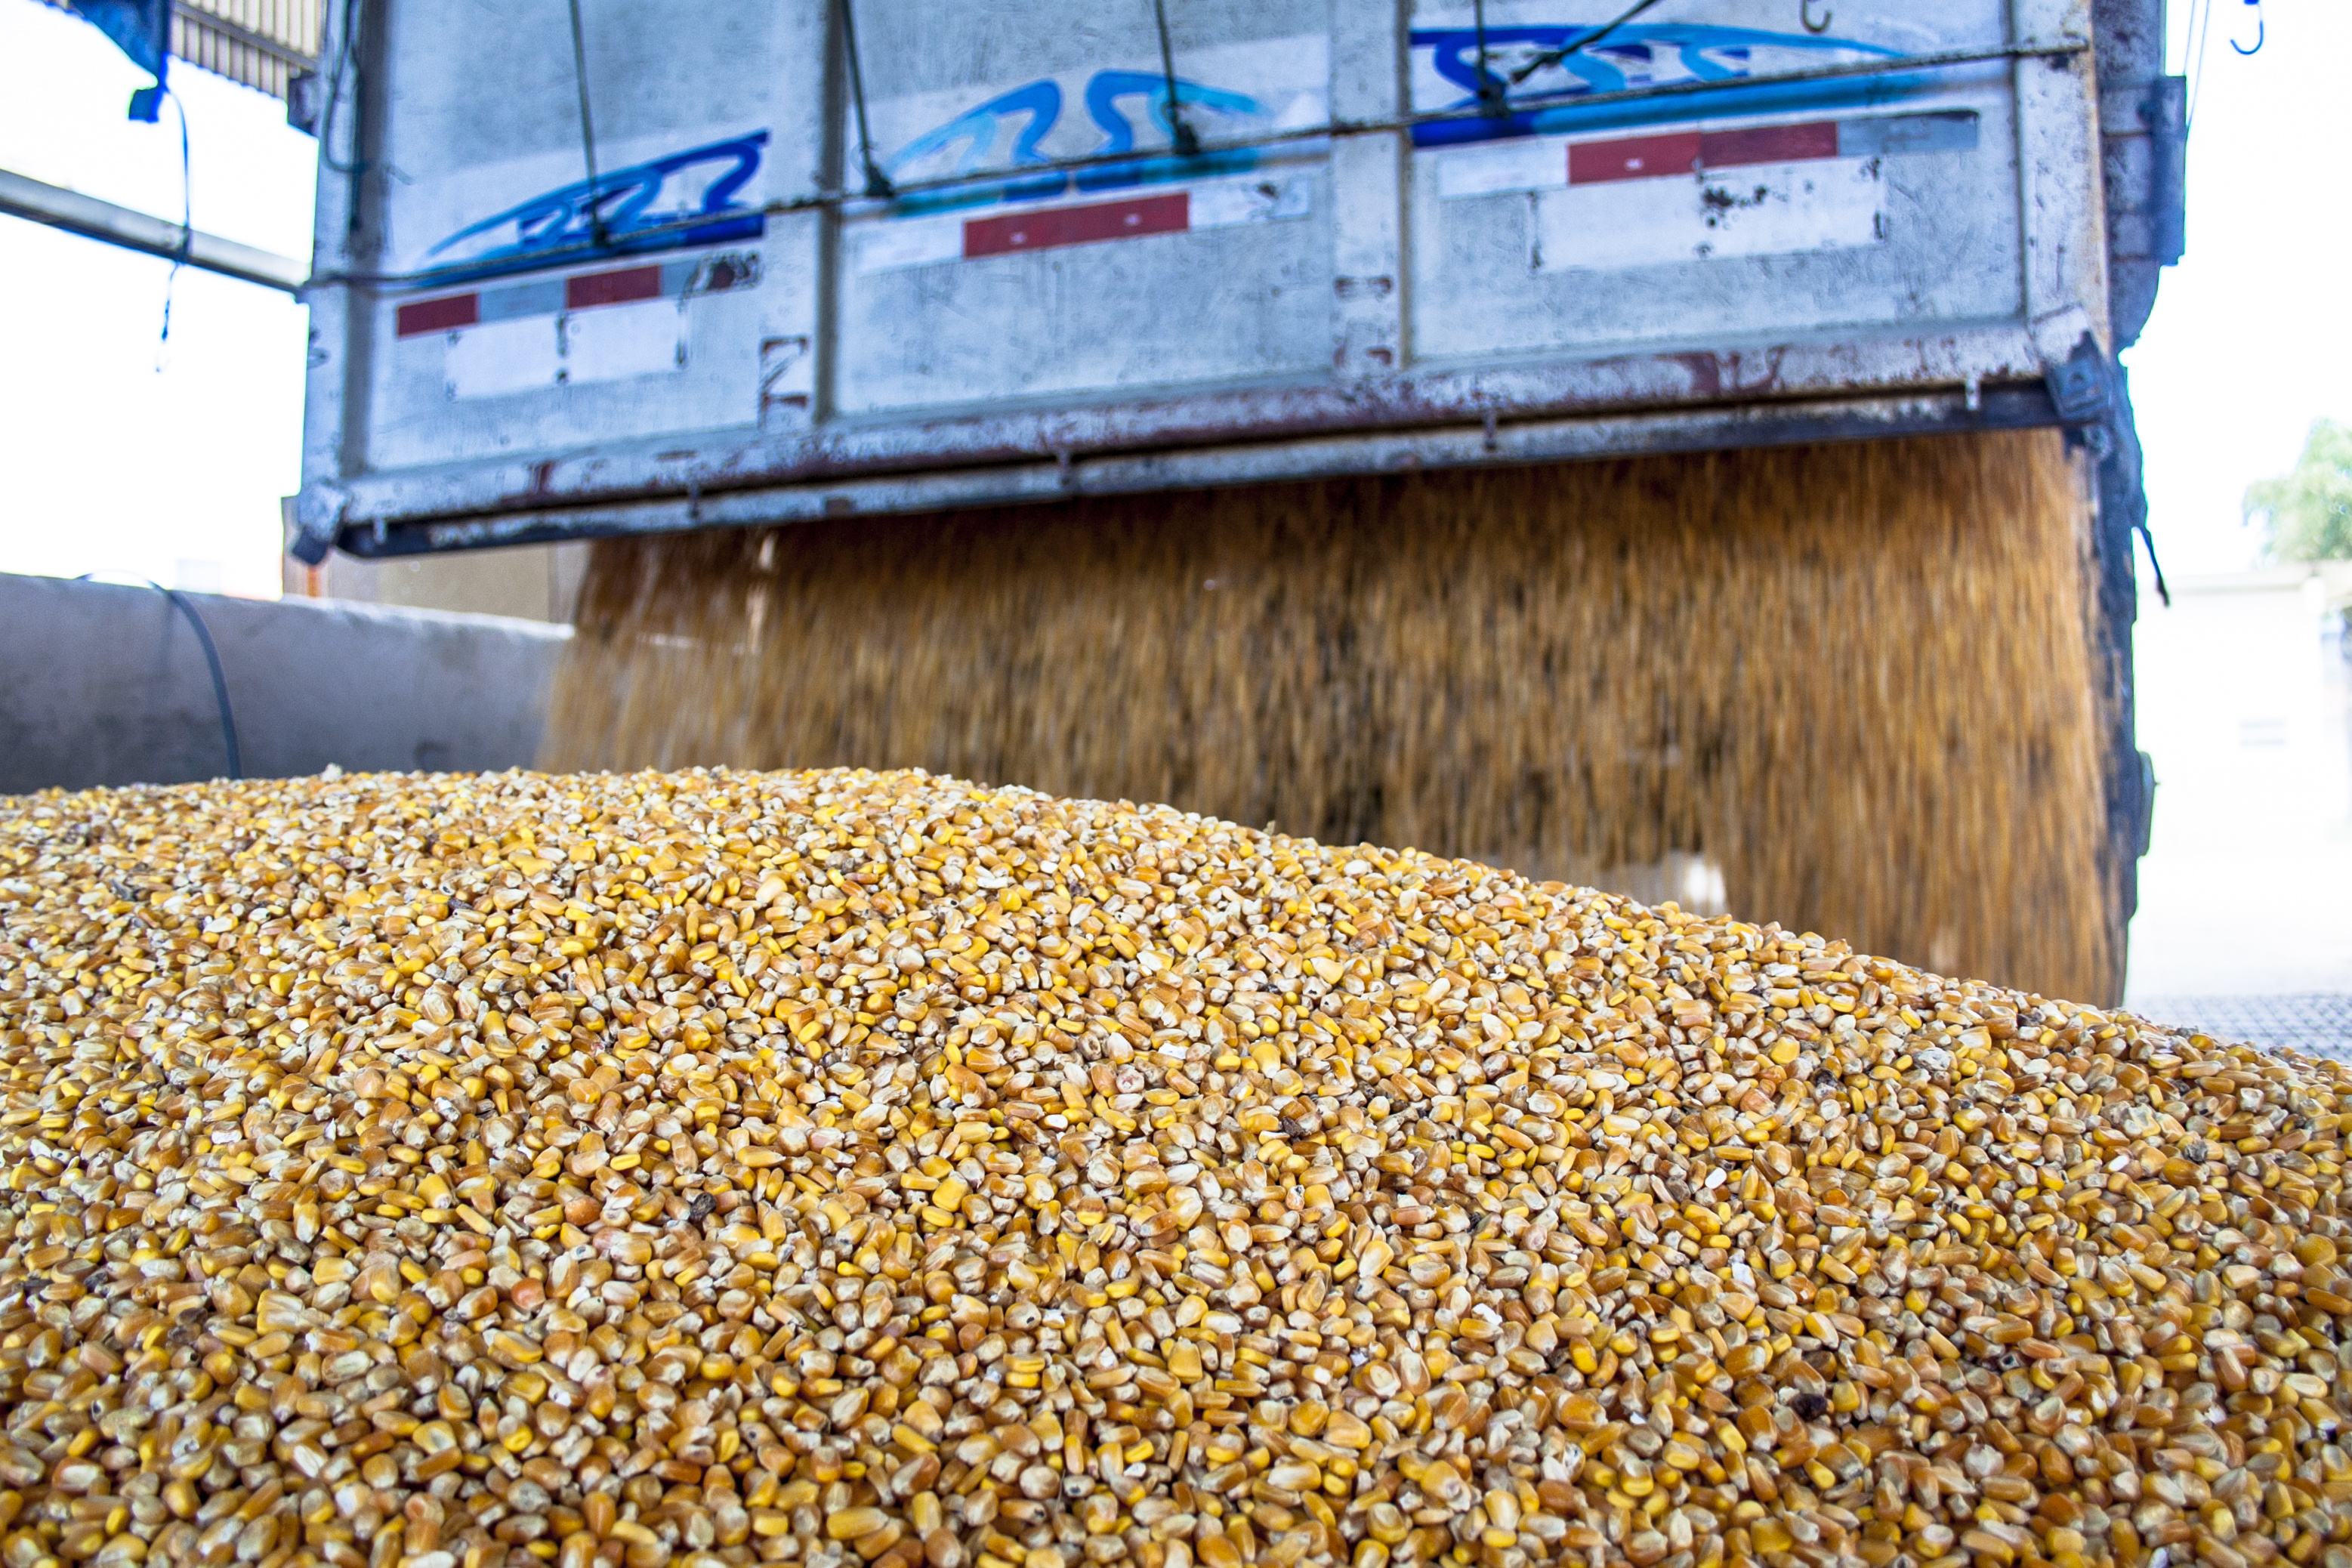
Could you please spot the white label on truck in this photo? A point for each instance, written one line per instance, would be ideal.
(1763, 209)
(623, 341)
(496, 358)
(533, 354)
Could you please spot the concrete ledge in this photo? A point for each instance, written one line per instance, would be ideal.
(106, 684)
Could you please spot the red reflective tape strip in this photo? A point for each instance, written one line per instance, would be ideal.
(451, 311)
(1681, 151)
(592, 289)
(1632, 158)
(1053, 226)
(1768, 145)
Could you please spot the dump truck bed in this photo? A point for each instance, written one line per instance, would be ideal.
(976, 264)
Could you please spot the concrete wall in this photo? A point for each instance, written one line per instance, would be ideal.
(101, 684)
(529, 581)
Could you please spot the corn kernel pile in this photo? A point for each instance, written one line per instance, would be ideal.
(844, 1169)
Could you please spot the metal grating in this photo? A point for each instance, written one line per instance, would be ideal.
(2319, 1023)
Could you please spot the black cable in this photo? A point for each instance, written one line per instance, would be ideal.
(1180, 130)
(587, 128)
(212, 659)
(1493, 96)
(187, 226)
(1553, 56)
(346, 63)
(2149, 539)
(877, 184)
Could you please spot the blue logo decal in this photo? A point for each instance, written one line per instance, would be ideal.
(1634, 56)
(647, 207)
(1030, 114)
(1103, 95)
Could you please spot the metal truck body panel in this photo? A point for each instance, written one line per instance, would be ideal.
(1725, 221)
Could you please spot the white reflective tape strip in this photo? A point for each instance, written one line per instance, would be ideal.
(887, 244)
(540, 297)
(1532, 163)
(1224, 203)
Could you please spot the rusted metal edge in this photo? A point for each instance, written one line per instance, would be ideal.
(840, 449)
(2015, 405)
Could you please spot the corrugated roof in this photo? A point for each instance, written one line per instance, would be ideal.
(258, 43)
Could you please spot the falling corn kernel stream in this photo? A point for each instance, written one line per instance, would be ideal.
(841, 1168)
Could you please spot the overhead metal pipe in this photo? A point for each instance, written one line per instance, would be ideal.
(134, 230)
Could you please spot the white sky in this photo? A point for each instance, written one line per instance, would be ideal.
(2252, 336)
(114, 463)
(111, 463)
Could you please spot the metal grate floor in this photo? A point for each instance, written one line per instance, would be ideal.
(2319, 1021)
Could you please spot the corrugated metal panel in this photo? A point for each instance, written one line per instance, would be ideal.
(256, 42)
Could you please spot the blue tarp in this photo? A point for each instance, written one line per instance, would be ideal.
(141, 29)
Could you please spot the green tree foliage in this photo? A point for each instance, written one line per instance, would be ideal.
(2307, 512)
